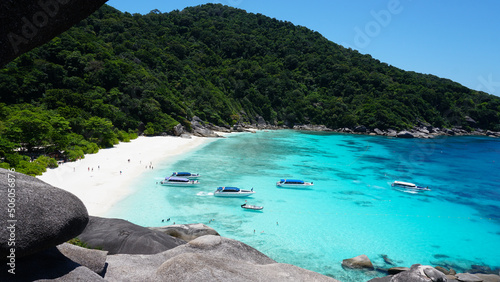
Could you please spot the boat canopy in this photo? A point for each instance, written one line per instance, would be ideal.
(228, 189)
(183, 173)
(177, 179)
(292, 181)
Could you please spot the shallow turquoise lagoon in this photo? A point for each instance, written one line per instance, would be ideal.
(351, 210)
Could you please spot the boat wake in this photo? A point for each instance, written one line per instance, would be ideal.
(204, 194)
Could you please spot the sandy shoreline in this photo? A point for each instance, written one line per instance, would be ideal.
(101, 180)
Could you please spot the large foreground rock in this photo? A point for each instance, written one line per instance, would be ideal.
(196, 267)
(118, 236)
(207, 258)
(41, 215)
(186, 232)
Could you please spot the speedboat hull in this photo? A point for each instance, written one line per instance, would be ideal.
(308, 185)
(252, 207)
(179, 184)
(177, 181)
(409, 186)
(232, 192)
(293, 183)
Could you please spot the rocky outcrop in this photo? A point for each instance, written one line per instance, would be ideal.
(417, 273)
(39, 217)
(359, 262)
(311, 127)
(396, 270)
(27, 24)
(118, 236)
(421, 131)
(488, 277)
(427, 273)
(467, 277)
(207, 258)
(186, 232)
(405, 134)
(260, 122)
(179, 130)
(360, 129)
(199, 129)
(209, 268)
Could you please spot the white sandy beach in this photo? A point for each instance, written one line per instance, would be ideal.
(101, 180)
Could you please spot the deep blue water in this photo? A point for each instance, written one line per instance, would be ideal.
(351, 210)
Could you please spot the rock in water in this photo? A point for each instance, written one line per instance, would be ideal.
(359, 262)
(118, 236)
(40, 216)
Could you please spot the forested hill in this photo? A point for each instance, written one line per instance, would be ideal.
(115, 72)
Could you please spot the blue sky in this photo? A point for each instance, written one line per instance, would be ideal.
(459, 39)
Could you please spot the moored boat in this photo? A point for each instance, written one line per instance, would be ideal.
(187, 175)
(232, 192)
(179, 181)
(293, 183)
(408, 185)
(251, 207)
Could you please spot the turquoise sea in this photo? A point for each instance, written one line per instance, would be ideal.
(352, 208)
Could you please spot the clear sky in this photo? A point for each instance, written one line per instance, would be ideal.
(455, 39)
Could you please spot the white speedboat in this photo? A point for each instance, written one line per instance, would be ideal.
(251, 207)
(187, 175)
(293, 183)
(410, 186)
(232, 192)
(179, 181)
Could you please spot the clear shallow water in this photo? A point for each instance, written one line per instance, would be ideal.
(351, 210)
